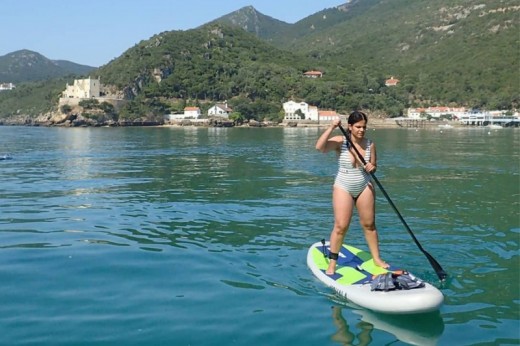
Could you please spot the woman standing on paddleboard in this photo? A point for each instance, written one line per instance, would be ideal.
(352, 186)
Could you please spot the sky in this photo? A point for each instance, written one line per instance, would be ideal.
(94, 32)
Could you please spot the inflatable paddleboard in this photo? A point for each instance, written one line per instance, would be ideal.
(354, 274)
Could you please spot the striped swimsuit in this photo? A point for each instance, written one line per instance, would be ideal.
(352, 179)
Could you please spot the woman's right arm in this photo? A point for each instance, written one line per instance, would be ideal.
(324, 143)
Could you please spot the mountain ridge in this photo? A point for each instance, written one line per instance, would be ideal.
(28, 66)
(253, 21)
(454, 53)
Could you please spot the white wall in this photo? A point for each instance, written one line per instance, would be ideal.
(83, 88)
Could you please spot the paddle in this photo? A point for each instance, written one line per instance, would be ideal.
(435, 265)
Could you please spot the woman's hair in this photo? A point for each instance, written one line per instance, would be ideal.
(356, 116)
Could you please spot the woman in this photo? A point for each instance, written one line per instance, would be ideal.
(352, 186)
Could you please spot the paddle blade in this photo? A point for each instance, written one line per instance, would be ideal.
(436, 266)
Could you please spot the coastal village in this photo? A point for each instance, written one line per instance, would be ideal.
(296, 113)
(327, 172)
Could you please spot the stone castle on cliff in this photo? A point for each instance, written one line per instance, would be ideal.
(84, 89)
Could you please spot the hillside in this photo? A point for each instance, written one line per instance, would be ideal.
(295, 35)
(215, 62)
(461, 51)
(456, 52)
(252, 21)
(28, 66)
(464, 52)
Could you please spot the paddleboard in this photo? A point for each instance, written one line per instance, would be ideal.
(355, 272)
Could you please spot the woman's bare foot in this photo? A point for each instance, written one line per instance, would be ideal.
(382, 264)
(331, 270)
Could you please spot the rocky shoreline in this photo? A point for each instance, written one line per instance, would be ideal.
(73, 120)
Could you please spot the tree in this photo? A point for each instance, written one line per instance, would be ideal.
(66, 109)
(108, 108)
(89, 103)
(237, 118)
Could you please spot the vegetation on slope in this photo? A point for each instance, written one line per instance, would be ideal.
(26, 66)
(460, 52)
(447, 52)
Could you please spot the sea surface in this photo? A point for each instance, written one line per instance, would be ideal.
(199, 236)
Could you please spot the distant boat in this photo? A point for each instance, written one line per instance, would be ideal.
(5, 157)
(495, 126)
(445, 126)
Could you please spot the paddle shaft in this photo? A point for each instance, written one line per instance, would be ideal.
(435, 265)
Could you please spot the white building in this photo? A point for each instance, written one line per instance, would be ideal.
(299, 111)
(435, 112)
(220, 110)
(171, 117)
(7, 86)
(192, 113)
(83, 89)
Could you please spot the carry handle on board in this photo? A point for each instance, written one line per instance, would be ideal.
(435, 265)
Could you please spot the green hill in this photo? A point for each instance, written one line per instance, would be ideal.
(456, 52)
(462, 52)
(28, 66)
(452, 51)
(215, 62)
(252, 21)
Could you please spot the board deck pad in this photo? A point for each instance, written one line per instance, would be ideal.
(354, 266)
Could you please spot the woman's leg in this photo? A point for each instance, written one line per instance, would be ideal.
(343, 205)
(366, 206)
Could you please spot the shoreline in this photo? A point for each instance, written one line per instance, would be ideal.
(373, 123)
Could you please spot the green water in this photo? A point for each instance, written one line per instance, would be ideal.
(197, 236)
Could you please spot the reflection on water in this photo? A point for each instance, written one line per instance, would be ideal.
(344, 336)
(422, 329)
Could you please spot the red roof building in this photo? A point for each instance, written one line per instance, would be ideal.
(392, 81)
(327, 115)
(313, 74)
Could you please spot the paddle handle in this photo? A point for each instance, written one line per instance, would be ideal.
(435, 265)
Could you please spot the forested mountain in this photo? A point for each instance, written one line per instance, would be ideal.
(216, 62)
(27, 66)
(250, 20)
(444, 52)
(464, 52)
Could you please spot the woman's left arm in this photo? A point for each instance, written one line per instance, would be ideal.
(371, 165)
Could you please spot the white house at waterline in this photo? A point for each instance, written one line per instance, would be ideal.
(220, 110)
